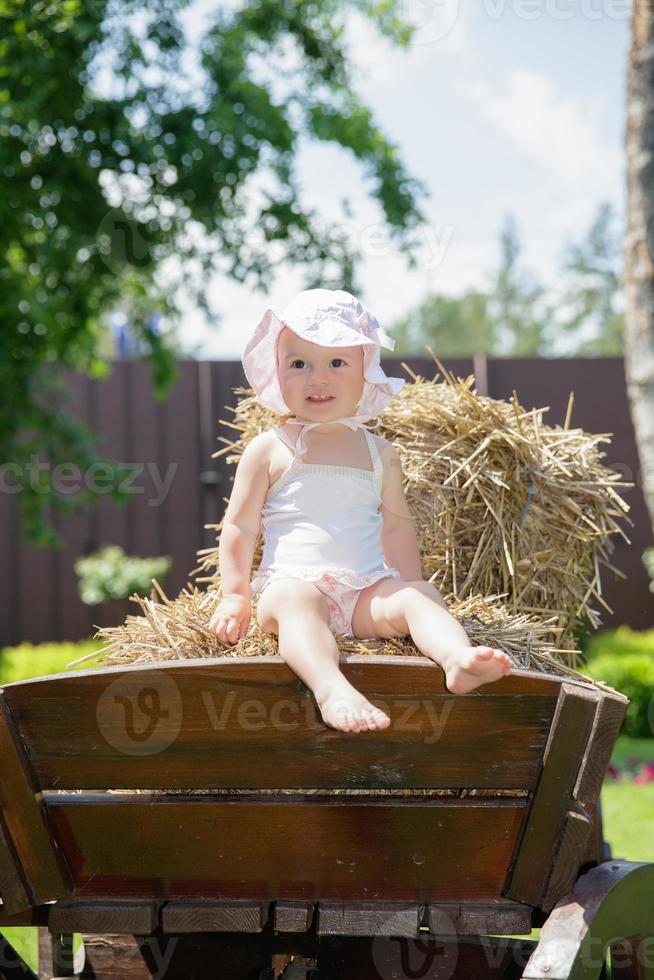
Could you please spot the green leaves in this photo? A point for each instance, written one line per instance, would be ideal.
(117, 154)
(111, 574)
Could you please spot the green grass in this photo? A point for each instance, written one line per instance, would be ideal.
(26, 661)
(627, 807)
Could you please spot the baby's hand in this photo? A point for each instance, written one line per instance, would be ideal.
(232, 617)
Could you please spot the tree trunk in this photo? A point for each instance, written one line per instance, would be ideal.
(639, 241)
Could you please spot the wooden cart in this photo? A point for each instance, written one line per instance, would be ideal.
(259, 841)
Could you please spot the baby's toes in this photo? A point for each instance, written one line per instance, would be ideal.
(381, 720)
(374, 719)
(353, 722)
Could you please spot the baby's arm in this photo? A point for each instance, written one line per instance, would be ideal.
(238, 538)
(399, 540)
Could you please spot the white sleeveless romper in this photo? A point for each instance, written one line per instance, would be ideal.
(322, 523)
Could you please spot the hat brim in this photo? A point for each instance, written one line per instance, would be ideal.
(259, 360)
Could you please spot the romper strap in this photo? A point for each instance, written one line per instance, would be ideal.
(377, 464)
(284, 438)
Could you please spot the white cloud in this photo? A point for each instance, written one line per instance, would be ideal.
(564, 136)
(440, 30)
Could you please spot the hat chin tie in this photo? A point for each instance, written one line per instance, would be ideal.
(301, 446)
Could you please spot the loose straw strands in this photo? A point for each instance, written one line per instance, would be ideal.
(174, 629)
(513, 519)
(501, 502)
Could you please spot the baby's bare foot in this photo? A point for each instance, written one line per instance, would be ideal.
(346, 709)
(470, 667)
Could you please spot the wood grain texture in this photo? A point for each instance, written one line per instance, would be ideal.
(368, 919)
(12, 886)
(400, 851)
(214, 916)
(254, 725)
(115, 917)
(571, 728)
(44, 871)
(475, 918)
(565, 864)
(292, 916)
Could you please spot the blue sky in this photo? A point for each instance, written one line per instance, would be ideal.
(502, 106)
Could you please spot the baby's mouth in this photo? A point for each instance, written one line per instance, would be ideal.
(320, 401)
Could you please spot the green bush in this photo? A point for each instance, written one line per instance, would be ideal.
(633, 675)
(37, 660)
(111, 574)
(648, 561)
(619, 643)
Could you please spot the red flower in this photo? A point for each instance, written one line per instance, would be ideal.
(646, 774)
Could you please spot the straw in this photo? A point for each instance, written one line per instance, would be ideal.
(514, 513)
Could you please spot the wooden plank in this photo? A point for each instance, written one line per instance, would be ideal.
(250, 723)
(37, 589)
(115, 917)
(146, 509)
(565, 750)
(565, 866)
(215, 916)
(76, 618)
(292, 916)
(180, 456)
(12, 885)
(44, 871)
(368, 919)
(606, 728)
(404, 850)
(118, 957)
(475, 918)
(580, 825)
(108, 410)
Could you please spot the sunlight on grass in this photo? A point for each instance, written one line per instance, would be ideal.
(628, 807)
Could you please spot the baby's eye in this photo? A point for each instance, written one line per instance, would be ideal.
(300, 361)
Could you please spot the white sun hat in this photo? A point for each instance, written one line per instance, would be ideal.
(329, 318)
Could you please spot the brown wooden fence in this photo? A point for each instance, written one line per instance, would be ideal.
(177, 488)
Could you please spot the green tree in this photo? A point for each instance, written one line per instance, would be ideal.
(120, 163)
(517, 306)
(591, 275)
(516, 316)
(508, 318)
(451, 326)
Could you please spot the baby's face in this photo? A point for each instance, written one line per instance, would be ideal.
(305, 369)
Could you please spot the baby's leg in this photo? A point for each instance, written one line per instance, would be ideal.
(299, 614)
(397, 608)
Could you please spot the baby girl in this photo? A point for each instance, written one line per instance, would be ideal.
(340, 549)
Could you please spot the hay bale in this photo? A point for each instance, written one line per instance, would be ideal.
(513, 519)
